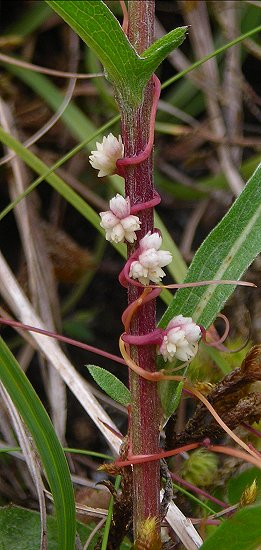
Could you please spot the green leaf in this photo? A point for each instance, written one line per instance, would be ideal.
(52, 456)
(107, 527)
(225, 254)
(96, 25)
(239, 483)
(20, 529)
(241, 532)
(160, 49)
(110, 384)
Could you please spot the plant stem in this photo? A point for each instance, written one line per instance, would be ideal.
(144, 419)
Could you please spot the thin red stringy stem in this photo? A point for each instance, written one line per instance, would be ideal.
(61, 338)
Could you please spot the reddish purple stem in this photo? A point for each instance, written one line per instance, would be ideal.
(61, 338)
(148, 204)
(254, 431)
(154, 337)
(127, 161)
(195, 489)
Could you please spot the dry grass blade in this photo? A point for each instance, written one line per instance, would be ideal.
(202, 43)
(228, 15)
(41, 281)
(184, 528)
(57, 115)
(92, 535)
(23, 310)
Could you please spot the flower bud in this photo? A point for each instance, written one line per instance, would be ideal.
(200, 468)
(118, 223)
(108, 152)
(180, 339)
(150, 260)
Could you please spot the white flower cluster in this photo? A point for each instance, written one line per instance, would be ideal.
(108, 152)
(149, 265)
(118, 223)
(182, 335)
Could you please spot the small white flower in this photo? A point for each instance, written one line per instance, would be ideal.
(164, 257)
(108, 152)
(180, 340)
(118, 223)
(149, 258)
(148, 266)
(120, 206)
(151, 240)
(137, 271)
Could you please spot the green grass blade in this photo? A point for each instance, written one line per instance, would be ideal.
(109, 516)
(216, 52)
(52, 456)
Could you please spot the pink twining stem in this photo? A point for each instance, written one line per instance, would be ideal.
(125, 22)
(144, 205)
(230, 451)
(125, 279)
(29, 328)
(140, 459)
(131, 308)
(154, 337)
(127, 161)
(216, 343)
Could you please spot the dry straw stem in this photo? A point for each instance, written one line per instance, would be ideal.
(202, 43)
(41, 282)
(73, 50)
(23, 310)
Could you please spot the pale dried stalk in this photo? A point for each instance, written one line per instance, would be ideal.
(202, 43)
(40, 274)
(23, 310)
(57, 115)
(228, 16)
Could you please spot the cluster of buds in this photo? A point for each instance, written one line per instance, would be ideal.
(108, 152)
(148, 266)
(118, 223)
(180, 339)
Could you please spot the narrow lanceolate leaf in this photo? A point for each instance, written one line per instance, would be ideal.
(160, 49)
(52, 456)
(96, 25)
(225, 254)
(110, 384)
